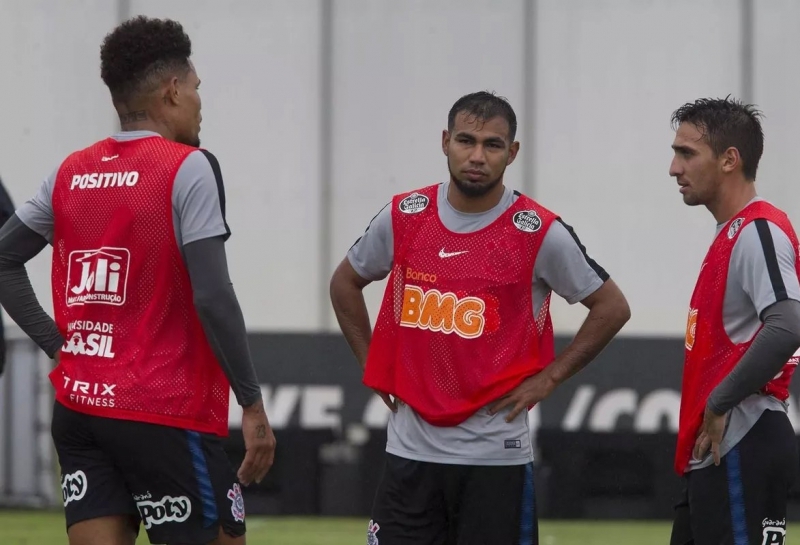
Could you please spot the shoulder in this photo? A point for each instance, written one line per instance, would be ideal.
(412, 202)
(521, 199)
(762, 237)
(562, 250)
(198, 183)
(200, 168)
(201, 159)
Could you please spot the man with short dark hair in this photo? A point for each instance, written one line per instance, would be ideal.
(463, 344)
(148, 333)
(736, 447)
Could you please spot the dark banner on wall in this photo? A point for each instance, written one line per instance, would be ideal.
(312, 381)
(605, 439)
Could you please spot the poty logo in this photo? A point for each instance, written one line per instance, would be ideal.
(237, 503)
(98, 276)
(73, 486)
(169, 509)
(437, 311)
(527, 221)
(104, 179)
(414, 203)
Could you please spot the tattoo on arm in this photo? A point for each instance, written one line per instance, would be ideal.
(261, 431)
(132, 117)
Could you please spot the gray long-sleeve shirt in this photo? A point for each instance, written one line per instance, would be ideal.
(762, 303)
(198, 213)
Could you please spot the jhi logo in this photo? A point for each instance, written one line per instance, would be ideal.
(98, 276)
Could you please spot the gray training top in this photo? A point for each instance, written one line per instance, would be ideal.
(198, 215)
(197, 211)
(750, 290)
(562, 266)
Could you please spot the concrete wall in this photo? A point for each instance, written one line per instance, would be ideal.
(319, 110)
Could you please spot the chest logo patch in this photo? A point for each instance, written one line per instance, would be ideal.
(414, 204)
(444, 312)
(527, 221)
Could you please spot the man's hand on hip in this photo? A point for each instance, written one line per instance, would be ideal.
(387, 400)
(259, 444)
(710, 435)
(529, 393)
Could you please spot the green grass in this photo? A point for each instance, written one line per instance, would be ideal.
(47, 528)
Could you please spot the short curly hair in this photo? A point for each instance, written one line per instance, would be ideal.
(137, 55)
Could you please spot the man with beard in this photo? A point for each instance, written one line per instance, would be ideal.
(463, 344)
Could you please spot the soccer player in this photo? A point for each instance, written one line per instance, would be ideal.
(736, 446)
(6, 211)
(463, 344)
(148, 333)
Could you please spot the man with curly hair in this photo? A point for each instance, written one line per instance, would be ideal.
(148, 333)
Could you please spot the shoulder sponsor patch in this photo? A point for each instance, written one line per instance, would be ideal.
(527, 221)
(414, 203)
(734, 227)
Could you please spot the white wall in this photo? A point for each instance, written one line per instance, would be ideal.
(607, 75)
(52, 99)
(398, 68)
(610, 75)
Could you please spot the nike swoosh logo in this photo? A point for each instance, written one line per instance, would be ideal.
(444, 254)
(109, 158)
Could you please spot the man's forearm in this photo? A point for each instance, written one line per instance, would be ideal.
(353, 317)
(221, 316)
(605, 319)
(771, 349)
(18, 245)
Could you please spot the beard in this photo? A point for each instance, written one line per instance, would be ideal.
(473, 189)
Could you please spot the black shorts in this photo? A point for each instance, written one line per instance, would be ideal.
(178, 483)
(743, 500)
(424, 503)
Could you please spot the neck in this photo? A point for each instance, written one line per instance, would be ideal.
(725, 207)
(473, 205)
(139, 119)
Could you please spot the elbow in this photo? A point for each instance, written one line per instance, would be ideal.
(620, 312)
(7, 264)
(206, 302)
(202, 306)
(333, 287)
(794, 339)
(337, 289)
(789, 329)
(625, 312)
(343, 282)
